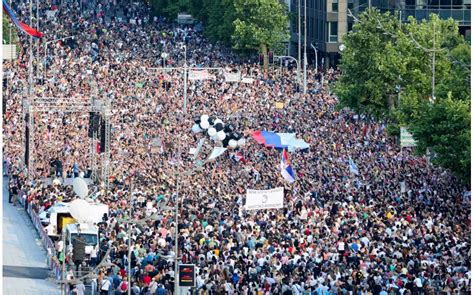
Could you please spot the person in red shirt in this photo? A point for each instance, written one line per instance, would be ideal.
(146, 280)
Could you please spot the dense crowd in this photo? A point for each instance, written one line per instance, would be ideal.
(398, 226)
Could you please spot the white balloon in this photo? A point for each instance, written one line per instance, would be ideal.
(215, 137)
(221, 135)
(204, 118)
(80, 187)
(79, 209)
(232, 143)
(204, 124)
(241, 141)
(81, 174)
(196, 128)
(211, 131)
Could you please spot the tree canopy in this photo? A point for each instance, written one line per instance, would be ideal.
(260, 24)
(257, 25)
(387, 71)
(6, 25)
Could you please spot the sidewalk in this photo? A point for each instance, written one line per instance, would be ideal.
(24, 259)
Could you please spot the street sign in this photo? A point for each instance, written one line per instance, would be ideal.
(406, 139)
(187, 275)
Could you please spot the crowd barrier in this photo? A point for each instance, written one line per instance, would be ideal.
(48, 244)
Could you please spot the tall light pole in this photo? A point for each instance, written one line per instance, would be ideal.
(176, 214)
(37, 41)
(46, 52)
(305, 58)
(185, 79)
(176, 246)
(281, 57)
(30, 61)
(299, 43)
(129, 238)
(315, 56)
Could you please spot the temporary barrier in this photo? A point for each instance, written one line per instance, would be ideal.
(48, 244)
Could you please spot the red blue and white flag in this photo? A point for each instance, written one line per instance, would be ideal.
(22, 26)
(285, 166)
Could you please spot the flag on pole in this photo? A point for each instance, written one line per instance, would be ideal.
(238, 157)
(353, 167)
(22, 26)
(285, 167)
(216, 152)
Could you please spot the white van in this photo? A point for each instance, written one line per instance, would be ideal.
(90, 233)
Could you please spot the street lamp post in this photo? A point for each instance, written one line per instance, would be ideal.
(30, 61)
(315, 56)
(176, 214)
(185, 79)
(185, 69)
(305, 58)
(46, 51)
(299, 42)
(281, 57)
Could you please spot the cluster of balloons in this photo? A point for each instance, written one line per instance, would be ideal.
(217, 131)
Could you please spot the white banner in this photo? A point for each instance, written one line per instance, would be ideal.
(232, 77)
(199, 75)
(247, 80)
(264, 199)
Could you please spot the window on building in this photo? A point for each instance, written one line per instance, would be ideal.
(350, 4)
(332, 32)
(334, 5)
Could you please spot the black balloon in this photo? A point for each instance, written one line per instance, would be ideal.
(211, 120)
(235, 135)
(225, 142)
(219, 127)
(197, 120)
(229, 128)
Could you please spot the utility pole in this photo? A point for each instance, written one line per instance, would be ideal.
(299, 43)
(63, 272)
(10, 27)
(30, 61)
(129, 237)
(37, 41)
(185, 69)
(185, 79)
(305, 85)
(433, 66)
(315, 57)
(176, 246)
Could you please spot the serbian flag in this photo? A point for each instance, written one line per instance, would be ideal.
(22, 26)
(285, 167)
(238, 157)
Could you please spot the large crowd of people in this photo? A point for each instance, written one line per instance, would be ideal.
(398, 226)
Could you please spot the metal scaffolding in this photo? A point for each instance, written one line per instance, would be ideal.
(66, 105)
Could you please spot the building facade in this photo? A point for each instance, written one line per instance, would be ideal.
(328, 21)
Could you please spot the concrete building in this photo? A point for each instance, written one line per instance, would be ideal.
(328, 21)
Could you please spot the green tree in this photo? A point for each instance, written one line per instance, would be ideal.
(7, 26)
(445, 127)
(219, 20)
(371, 64)
(260, 25)
(384, 56)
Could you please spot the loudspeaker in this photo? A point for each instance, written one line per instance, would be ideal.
(102, 136)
